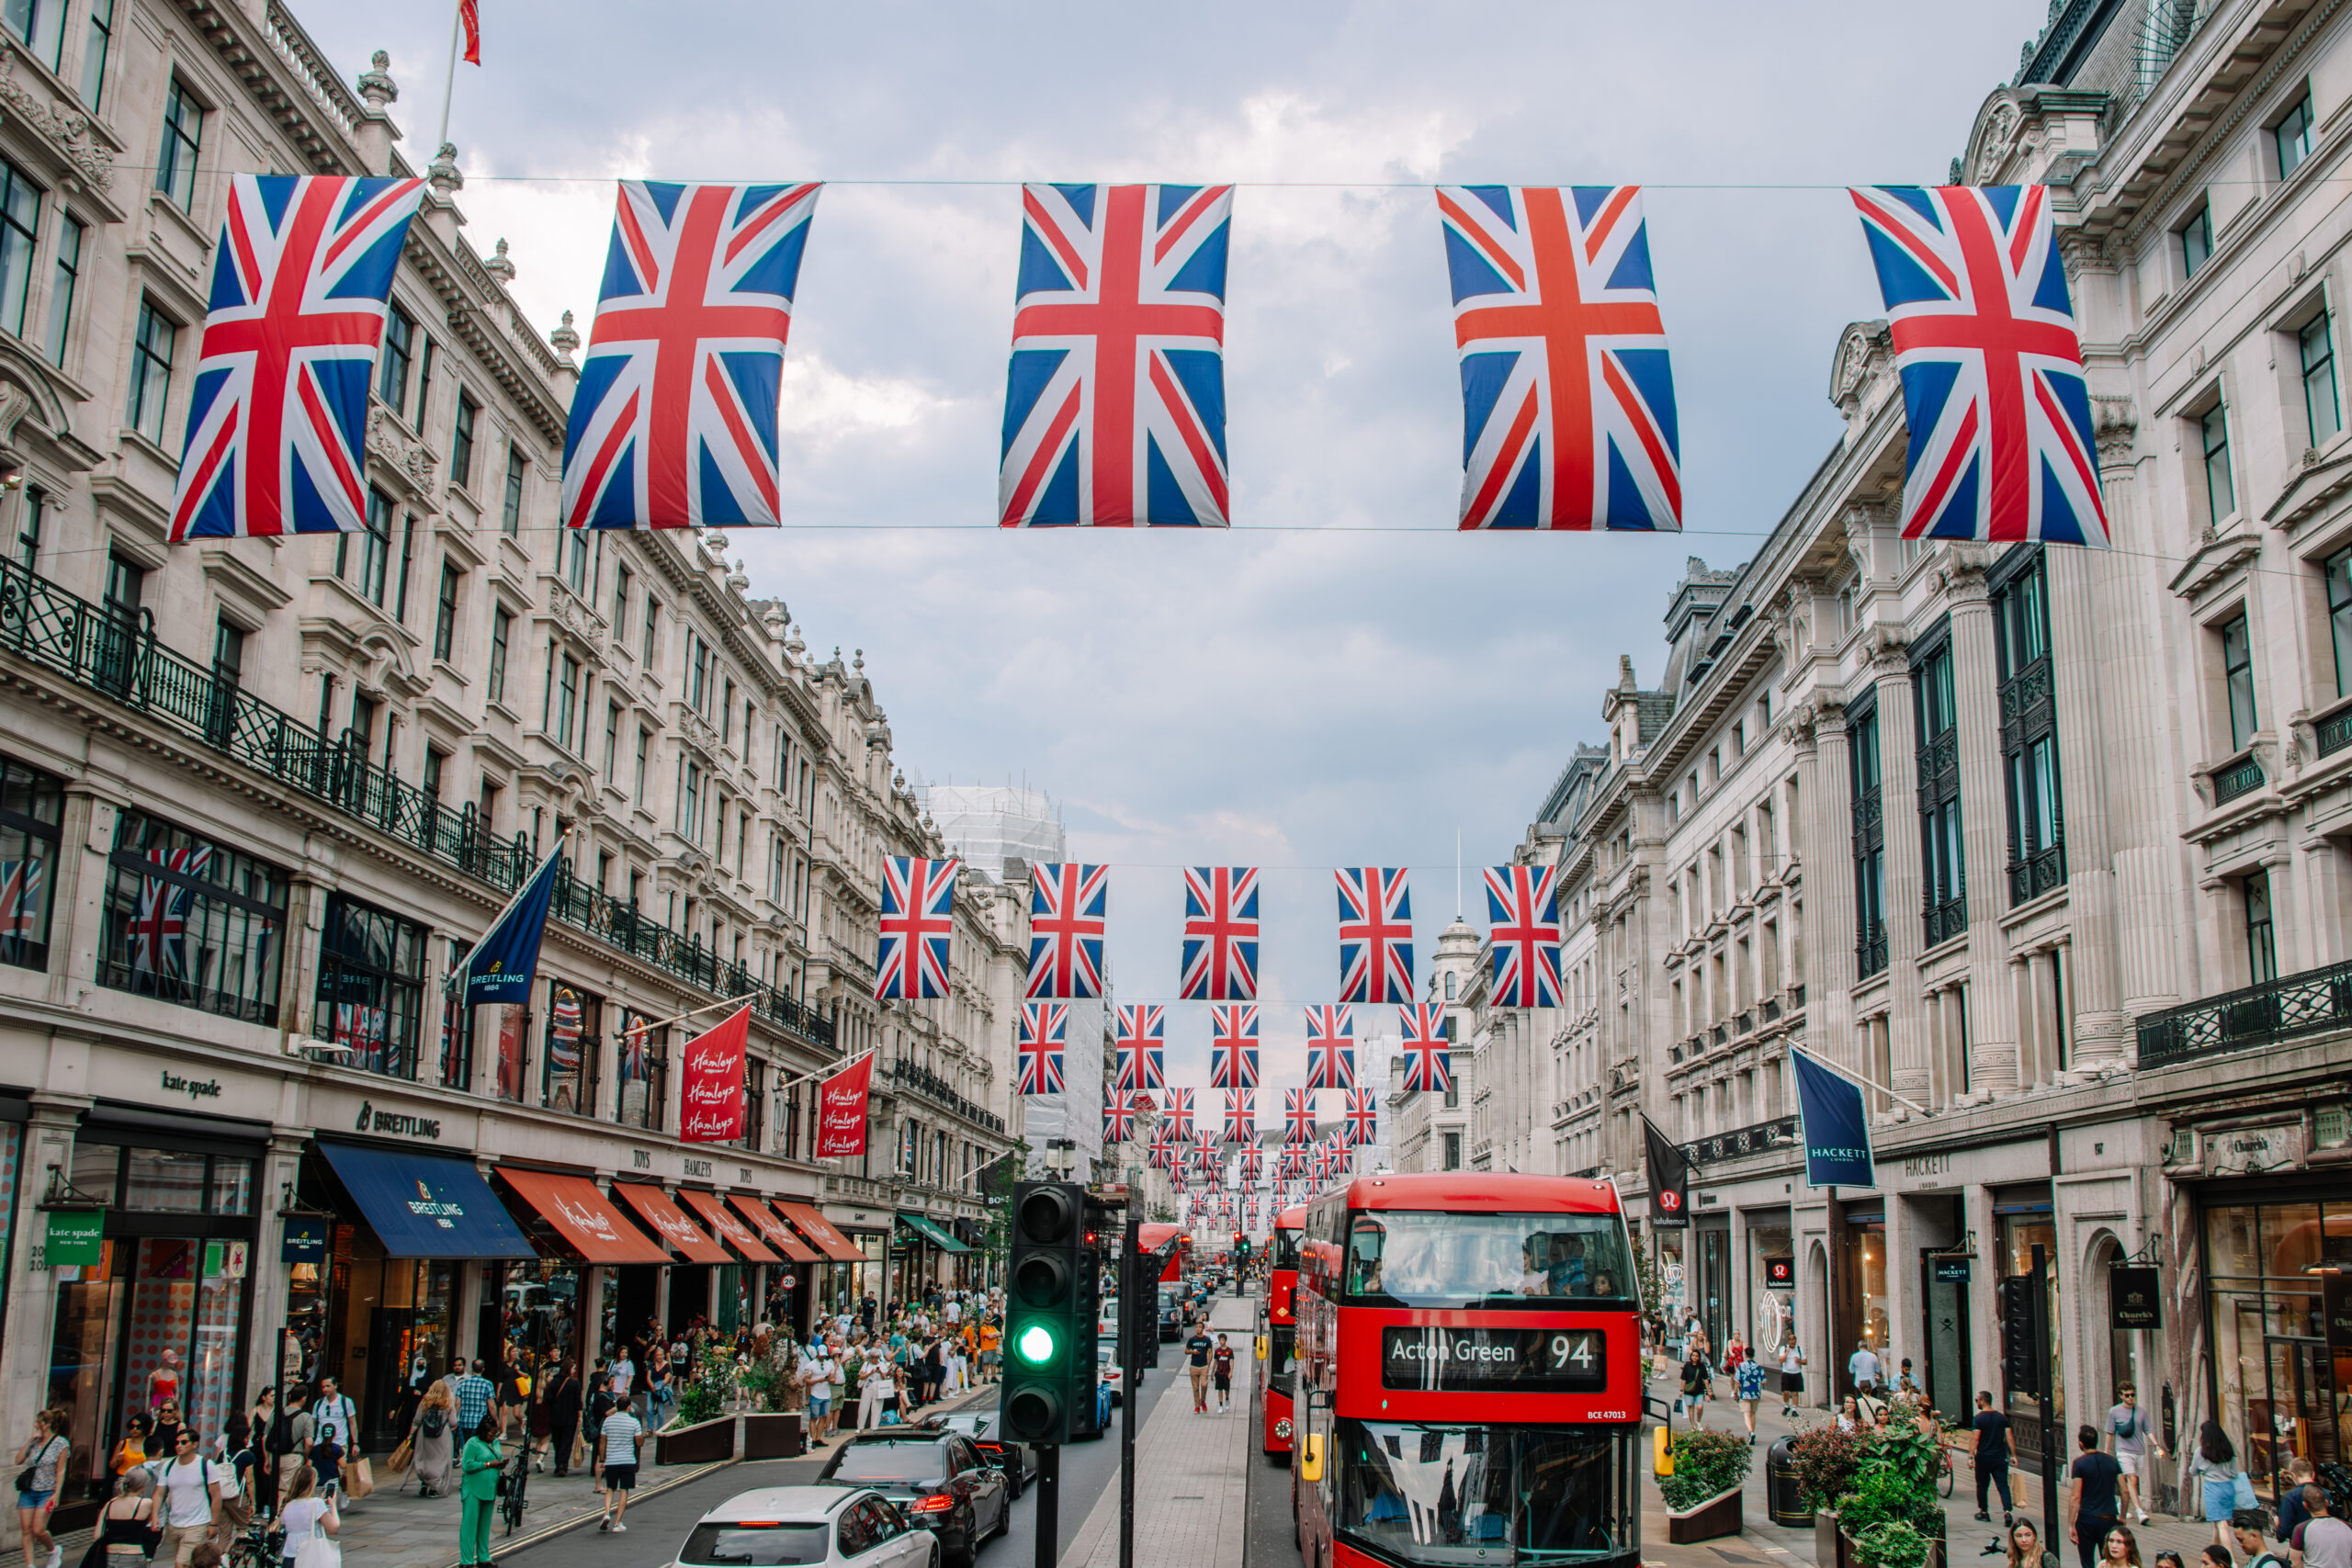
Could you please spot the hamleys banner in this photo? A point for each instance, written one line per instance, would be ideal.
(711, 1092)
(840, 1110)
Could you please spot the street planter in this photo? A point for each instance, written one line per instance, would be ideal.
(774, 1435)
(706, 1442)
(1828, 1541)
(1848, 1557)
(1718, 1515)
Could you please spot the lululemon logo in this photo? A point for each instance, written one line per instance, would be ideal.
(1669, 1200)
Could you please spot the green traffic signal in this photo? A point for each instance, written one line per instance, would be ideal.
(1034, 1345)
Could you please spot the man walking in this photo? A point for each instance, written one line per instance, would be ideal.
(2097, 1496)
(2135, 1438)
(473, 1393)
(622, 1437)
(1863, 1369)
(1992, 1456)
(1197, 1350)
(2322, 1540)
(1222, 1374)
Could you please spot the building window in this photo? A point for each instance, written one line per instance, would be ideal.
(1943, 864)
(2213, 440)
(568, 1065)
(28, 526)
(2292, 137)
(612, 742)
(456, 1029)
(690, 800)
(2261, 944)
(19, 224)
(67, 276)
(510, 519)
(1452, 1151)
(2315, 346)
(1450, 983)
(151, 370)
(371, 987)
(652, 622)
(32, 810)
(394, 360)
(2028, 725)
(640, 1069)
(1869, 842)
(755, 1104)
(94, 50)
(622, 579)
(191, 921)
(462, 443)
(2340, 617)
(698, 664)
(375, 548)
(575, 558)
(637, 788)
(183, 135)
(41, 23)
(2197, 241)
(445, 613)
(502, 629)
(2237, 677)
(567, 699)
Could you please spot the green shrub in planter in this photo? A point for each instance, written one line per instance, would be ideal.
(1827, 1460)
(1705, 1465)
(1892, 1545)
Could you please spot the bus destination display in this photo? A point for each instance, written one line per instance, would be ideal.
(1499, 1359)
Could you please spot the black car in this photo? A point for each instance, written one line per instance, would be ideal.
(937, 1479)
(1172, 1312)
(1012, 1457)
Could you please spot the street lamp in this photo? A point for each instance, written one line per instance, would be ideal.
(1061, 1154)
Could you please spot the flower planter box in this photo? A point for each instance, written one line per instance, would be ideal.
(706, 1442)
(1848, 1558)
(1718, 1515)
(774, 1435)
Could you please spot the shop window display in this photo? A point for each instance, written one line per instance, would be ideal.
(539, 1304)
(2281, 1392)
(567, 1061)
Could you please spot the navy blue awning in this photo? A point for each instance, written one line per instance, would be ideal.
(427, 1205)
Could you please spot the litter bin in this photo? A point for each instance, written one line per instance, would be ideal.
(1780, 1491)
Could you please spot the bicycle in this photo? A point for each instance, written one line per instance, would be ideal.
(250, 1547)
(513, 1481)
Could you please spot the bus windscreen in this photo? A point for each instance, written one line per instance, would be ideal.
(1426, 1260)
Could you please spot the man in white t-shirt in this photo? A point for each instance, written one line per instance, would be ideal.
(1862, 1367)
(615, 1462)
(191, 1488)
(953, 1312)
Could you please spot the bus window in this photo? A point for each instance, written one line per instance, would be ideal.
(1363, 1257)
(1432, 1259)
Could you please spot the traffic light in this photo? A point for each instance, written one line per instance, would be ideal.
(1085, 1406)
(2022, 1355)
(1048, 1319)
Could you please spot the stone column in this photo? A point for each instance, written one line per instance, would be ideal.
(2029, 1056)
(32, 1295)
(1898, 736)
(1825, 836)
(272, 1280)
(2327, 900)
(2043, 967)
(591, 1326)
(1934, 1026)
(1983, 798)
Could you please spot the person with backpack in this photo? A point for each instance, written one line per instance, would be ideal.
(289, 1442)
(2246, 1527)
(564, 1416)
(433, 1433)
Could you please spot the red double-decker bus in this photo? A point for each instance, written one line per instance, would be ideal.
(1469, 1374)
(1282, 1327)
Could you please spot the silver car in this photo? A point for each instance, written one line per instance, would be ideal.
(807, 1527)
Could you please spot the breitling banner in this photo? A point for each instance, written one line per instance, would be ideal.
(503, 963)
(840, 1110)
(711, 1092)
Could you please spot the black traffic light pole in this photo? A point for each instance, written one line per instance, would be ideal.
(1049, 1488)
(1137, 1317)
(2050, 1436)
(1043, 1337)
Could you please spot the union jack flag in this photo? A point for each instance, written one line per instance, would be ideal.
(1067, 909)
(1118, 1117)
(359, 1026)
(21, 895)
(1253, 1165)
(1567, 395)
(1220, 933)
(675, 422)
(277, 416)
(918, 920)
(1298, 1116)
(1523, 912)
(1208, 1150)
(1232, 1047)
(1320, 1159)
(563, 1031)
(1163, 1143)
(1241, 1114)
(1179, 1111)
(1428, 1060)
(1045, 1030)
(1114, 403)
(1985, 341)
(158, 937)
(1361, 1124)
(1141, 1035)
(635, 1053)
(1330, 1048)
(1375, 934)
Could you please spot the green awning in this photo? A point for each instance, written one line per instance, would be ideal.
(922, 1227)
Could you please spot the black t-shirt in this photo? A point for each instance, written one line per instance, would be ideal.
(1199, 1346)
(1992, 1437)
(1225, 1360)
(2098, 1473)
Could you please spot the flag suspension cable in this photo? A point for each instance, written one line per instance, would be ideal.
(1863, 1078)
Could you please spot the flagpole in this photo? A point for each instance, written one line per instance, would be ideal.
(651, 1024)
(1865, 1079)
(449, 85)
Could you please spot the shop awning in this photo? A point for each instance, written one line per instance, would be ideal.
(426, 1205)
(775, 1232)
(922, 1227)
(730, 1229)
(819, 1230)
(584, 1217)
(654, 1207)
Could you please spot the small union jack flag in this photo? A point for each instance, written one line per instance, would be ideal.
(1140, 1035)
(158, 944)
(1524, 909)
(918, 922)
(1118, 1117)
(1330, 1048)
(1179, 1111)
(1375, 934)
(1208, 1151)
(1164, 1140)
(1984, 341)
(1114, 403)
(1241, 1114)
(563, 1031)
(1298, 1116)
(675, 422)
(277, 413)
(1067, 908)
(1220, 933)
(1045, 1030)
(1361, 1124)
(636, 1054)
(21, 900)
(359, 1026)
(1428, 1060)
(1253, 1165)
(1568, 418)
(1233, 1046)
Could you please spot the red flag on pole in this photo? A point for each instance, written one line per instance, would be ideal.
(840, 1110)
(469, 17)
(711, 1093)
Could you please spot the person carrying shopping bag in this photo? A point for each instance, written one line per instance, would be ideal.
(309, 1520)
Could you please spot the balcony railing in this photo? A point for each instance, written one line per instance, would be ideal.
(2240, 777)
(2037, 874)
(1870, 951)
(1944, 921)
(2310, 1003)
(1741, 1142)
(114, 652)
(2335, 732)
(922, 1080)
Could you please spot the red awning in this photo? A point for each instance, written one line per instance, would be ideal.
(775, 1232)
(730, 1229)
(819, 1231)
(655, 1207)
(582, 1216)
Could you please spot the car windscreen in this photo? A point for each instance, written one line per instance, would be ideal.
(916, 1462)
(753, 1545)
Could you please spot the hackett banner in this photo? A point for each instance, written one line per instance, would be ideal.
(840, 1110)
(1835, 1126)
(711, 1091)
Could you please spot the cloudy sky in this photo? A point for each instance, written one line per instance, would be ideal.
(1339, 677)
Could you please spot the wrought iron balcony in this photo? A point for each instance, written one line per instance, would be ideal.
(2240, 778)
(921, 1080)
(1741, 1142)
(2037, 874)
(1869, 951)
(1944, 921)
(2313, 1002)
(2335, 732)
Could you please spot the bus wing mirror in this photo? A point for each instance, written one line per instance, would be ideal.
(1310, 1466)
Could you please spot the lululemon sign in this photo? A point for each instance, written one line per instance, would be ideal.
(840, 1110)
(711, 1091)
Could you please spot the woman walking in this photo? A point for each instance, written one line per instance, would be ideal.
(2026, 1550)
(2214, 1472)
(307, 1513)
(259, 1423)
(563, 1416)
(127, 1525)
(434, 1433)
(42, 1456)
(1698, 1379)
(481, 1463)
(660, 1388)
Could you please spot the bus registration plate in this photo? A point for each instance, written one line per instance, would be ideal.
(1514, 1360)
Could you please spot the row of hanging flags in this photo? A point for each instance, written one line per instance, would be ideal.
(1114, 411)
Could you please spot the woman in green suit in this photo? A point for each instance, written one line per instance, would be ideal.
(477, 1492)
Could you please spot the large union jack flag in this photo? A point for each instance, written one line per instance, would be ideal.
(1220, 933)
(22, 883)
(1118, 1117)
(1360, 1122)
(675, 422)
(1330, 1048)
(1232, 1047)
(1045, 1030)
(1985, 341)
(1523, 909)
(563, 1030)
(1375, 934)
(1140, 1037)
(1241, 1115)
(1179, 1111)
(158, 937)
(1428, 1058)
(1298, 1116)
(277, 414)
(1163, 1144)
(1114, 404)
(1208, 1153)
(918, 920)
(1567, 397)
(1067, 908)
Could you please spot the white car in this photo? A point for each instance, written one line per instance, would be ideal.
(807, 1527)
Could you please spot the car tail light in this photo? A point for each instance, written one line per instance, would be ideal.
(936, 1502)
